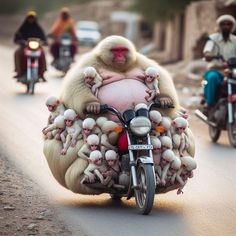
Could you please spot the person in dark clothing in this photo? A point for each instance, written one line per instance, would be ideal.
(29, 29)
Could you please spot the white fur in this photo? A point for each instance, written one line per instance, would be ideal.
(51, 100)
(156, 142)
(168, 155)
(89, 123)
(94, 155)
(155, 116)
(93, 139)
(60, 122)
(90, 71)
(69, 114)
(152, 71)
(111, 155)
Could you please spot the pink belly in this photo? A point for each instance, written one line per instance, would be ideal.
(123, 94)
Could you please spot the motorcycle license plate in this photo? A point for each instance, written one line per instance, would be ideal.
(33, 53)
(140, 147)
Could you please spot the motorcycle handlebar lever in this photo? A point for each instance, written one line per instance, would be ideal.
(106, 108)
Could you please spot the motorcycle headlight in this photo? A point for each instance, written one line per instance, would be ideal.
(234, 73)
(140, 126)
(33, 45)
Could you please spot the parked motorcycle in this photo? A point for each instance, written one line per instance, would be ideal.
(223, 115)
(32, 53)
(137, 176)
(65, 59)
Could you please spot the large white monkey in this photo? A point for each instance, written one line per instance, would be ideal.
(121, 68)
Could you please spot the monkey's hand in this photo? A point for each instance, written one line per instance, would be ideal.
(73, 142)
(44, 131)
(179, 191)
(93, 107)
(165, 101)
(63, 151)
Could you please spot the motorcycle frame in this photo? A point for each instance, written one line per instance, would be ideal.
(230, 82)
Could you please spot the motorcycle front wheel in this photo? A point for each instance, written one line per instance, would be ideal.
(145, 193)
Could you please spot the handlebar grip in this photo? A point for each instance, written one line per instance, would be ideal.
(103, 108)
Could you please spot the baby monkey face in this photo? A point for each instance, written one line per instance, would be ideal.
(149, 78)
(51, 107)
(93, 147)
(156, 150)
(69, 123)
(180, 129)
(98, 161)
(59, 130)
(111, 162)
(87, 131)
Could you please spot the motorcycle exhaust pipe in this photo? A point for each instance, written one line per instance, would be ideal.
(204, 118)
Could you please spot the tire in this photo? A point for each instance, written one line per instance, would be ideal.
(214, 133)
(144, 195)
(27, 88)
(34, 78)
(231, 128)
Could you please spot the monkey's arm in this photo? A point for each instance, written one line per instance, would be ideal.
(49, 128)
(99, 175)
(84, 152)
(178, 177)
(164, 173)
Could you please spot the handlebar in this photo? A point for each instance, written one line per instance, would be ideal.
(106, 108)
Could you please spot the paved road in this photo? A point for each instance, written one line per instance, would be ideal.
(207, 207)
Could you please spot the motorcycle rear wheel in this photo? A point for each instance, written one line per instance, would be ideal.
(145, 194)
(214, 132)
(231, 128)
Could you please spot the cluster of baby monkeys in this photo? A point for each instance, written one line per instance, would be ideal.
(66, 126)
(172, 162)
(93, 81)
(170, 142)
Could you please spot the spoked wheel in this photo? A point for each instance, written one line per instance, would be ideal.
(31, 85)
(27, 88)
(232, 133)
(145, 194)
(214, 132)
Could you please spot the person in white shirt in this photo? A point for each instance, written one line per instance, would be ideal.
(220, 43)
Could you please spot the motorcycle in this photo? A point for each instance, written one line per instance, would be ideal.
(65, 59)
(223, 115)
(137, 176)
(32, 53)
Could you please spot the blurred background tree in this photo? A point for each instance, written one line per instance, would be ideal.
(155, 10)
(41, 6)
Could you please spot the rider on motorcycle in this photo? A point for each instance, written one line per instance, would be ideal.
(29, 29)
(220, 43)
(64, 24)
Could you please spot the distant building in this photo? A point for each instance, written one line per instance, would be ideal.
(183, 37)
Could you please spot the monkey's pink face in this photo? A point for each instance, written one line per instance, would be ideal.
(89, 79)
(180, 130)
(69, 123)
(156, 150)
(119, 54)
(93, 147)
(98, 161)
(86, 131)
(51, 107)
(59, 130)
(149, 78)
(111, 162)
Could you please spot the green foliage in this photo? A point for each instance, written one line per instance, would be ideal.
(154, 10)
(41, 6)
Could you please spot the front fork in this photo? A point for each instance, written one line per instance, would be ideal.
(133, 162)
(230, 104)
(30, 65)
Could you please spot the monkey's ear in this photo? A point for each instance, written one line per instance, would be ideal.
(58, 102)
(77, 117)
(173, 123)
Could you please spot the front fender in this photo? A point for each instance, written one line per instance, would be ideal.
(144, 160)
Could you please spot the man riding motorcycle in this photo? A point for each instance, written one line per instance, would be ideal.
(64, 24)
(220, 43)
(29, 29)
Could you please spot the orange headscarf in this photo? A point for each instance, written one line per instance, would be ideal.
(63, 26)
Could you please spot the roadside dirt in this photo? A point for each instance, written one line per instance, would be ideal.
(24, 210)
